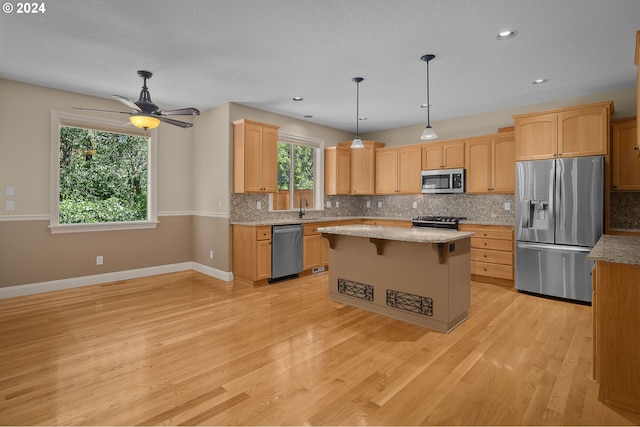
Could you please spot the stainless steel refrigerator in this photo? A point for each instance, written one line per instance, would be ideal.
(559, 217)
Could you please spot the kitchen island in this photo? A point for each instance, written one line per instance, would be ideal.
(418, 275)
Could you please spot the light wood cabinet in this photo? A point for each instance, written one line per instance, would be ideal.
(312, 247)
(624, 152)
(491, 164)
(363, 167)
(251, 254)
(491, 253)
(255, 157)
(398, 170)
(616, 343)
(570, 132)
(337, 170)
(637, 61)
(447, 155)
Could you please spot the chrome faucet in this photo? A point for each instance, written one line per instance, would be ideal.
(302, 213)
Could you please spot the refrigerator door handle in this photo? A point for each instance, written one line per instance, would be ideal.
(557, 248)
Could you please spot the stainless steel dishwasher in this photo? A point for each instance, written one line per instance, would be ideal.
(286, 251)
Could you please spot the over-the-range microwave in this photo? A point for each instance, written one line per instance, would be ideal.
(445, 181)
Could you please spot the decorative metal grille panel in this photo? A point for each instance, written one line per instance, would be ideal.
(355, 289)
(410, 302)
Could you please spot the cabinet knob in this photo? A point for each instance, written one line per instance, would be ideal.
(636, 148)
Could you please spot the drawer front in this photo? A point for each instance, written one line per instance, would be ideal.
(491, 234)
(492, 270)
(263, 233)
(493, 257)
(311, 229)
(499, 245)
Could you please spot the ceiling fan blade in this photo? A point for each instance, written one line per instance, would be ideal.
(103, 111)
(181, 112)
(126, 101)
(174, 122)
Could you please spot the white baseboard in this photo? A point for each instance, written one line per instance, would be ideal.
(76, 282)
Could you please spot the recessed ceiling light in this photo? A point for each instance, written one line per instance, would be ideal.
(506, 34)
(308, 116)
(424, 105)
(539, 81)
(297, 98)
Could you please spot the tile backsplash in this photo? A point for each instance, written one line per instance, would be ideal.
(483, 208)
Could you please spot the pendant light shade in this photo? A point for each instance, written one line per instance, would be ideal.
(357, 142)
(428, 133)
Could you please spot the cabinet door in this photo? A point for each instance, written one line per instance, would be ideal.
(453, 155)
(263, 259)
(269, 159)
(312, 251)
(503, 164)
(432, 157)
(409, 167)
(478, 166)
(362, 170)
(253, 158)
(386, 171)
(626, 163)
(537, 137)
(583, 132)
(343, 173)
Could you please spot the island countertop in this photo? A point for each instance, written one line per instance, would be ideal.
(617, 250)
(416, 235)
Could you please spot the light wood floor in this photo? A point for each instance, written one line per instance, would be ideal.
(184, 348)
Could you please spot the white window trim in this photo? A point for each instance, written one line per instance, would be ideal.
(318, 144)
(58, 119)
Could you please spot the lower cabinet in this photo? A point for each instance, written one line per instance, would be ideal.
(251, 253)
(312, 247)
(616, 336)
(491, 253)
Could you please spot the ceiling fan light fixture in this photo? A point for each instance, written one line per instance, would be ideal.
(428, 133)
(357, 142)
(144, 121)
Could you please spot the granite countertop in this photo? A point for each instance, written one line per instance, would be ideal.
(416, 235)
(617, 250)
(264, 222)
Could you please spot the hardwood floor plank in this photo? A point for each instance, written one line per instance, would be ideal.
(185, 349)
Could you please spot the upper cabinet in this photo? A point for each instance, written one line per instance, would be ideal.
(570, 132)
(255, 157)
(337, 170)
(490, 164)
(625, 161)
(363, 167)
(638, 86)
(398, 170)
(447, 155)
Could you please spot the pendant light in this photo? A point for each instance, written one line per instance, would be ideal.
(428, 132)
(357, 142)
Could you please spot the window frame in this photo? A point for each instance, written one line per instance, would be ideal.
(59, 119)
(318, 187)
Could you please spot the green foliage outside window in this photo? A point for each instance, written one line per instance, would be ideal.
(103, 176)
(303, 166)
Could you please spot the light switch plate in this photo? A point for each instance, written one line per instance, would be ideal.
(11, 191)
(415, 205)
(328, 204)
(337, 204)
(10, 205)
(259, 205)
(379, 204)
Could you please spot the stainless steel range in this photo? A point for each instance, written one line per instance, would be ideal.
(448, 222)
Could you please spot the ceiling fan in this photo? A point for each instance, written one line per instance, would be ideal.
(147, 115)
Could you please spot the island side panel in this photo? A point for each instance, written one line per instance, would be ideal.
(407, 267)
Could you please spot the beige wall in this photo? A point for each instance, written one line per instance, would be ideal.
(488, 123)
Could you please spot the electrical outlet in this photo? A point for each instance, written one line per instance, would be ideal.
(415, 205)
(99, 260)
(368, 204)
(328, 204)
(259, 205)
(379, 204)
(11, 205)
(337, 204)
(210, 254)
(507, 206)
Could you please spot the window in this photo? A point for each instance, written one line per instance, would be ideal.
(101, 175)
(299, 163)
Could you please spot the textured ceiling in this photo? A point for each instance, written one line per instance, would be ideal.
(262, 53)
